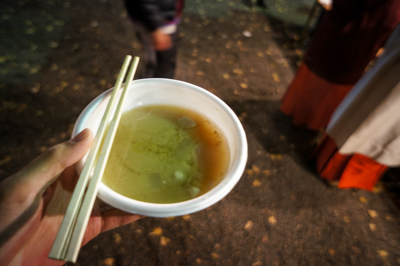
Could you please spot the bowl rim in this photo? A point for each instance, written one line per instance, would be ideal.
(209, 198)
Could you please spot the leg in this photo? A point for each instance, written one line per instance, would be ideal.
(166, 60)
(149, 54)
(362, 172)
(261, 4)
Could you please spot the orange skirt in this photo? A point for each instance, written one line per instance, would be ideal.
(352, 171)
(311, 100)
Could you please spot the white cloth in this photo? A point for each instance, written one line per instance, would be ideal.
(169, 29)
(368, 119)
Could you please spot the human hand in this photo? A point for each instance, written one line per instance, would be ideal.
(33, 203)
(161, 41)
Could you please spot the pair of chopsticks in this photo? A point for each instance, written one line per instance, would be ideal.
(69, 238)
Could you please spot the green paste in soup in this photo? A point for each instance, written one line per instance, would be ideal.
(166, 154)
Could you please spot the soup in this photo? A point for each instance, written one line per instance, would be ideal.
(165, 154)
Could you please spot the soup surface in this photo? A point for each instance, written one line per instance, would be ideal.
(165, 154)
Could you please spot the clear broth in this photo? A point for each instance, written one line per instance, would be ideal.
(166, 154)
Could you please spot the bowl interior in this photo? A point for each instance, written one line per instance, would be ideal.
(178, 93)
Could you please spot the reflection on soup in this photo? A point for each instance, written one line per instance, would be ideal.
(166, 154)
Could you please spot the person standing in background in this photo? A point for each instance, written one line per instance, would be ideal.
(345, 41)
(156, 23)
(362, 139)
(343, 45)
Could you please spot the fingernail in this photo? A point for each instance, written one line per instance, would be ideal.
(81, 136)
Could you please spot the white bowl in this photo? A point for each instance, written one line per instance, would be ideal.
(183, 94)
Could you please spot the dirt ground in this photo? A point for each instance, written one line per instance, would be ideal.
(56, 56)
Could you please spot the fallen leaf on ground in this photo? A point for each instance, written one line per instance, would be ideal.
(256, 183)
(186, 217)
(58, 22)
(247, 33)
(276, 77)
(214, 255)
(35, 89)
(238, 71)
(377, 188)
(383, 253)
(94, 23)
(388, 218)
(275, 156)
(108, 262)
(248, 226)
(266, 172)
(156, 231)
(30, 30)
(22, 107)
(272, 220)
(34, 70)
(63, 84)
(54, 67)
(363, 200)
(255, 169)
(164, 240)
(6, 160)
(372, 213)
(243, 85)
(117, 238)
(372, 227)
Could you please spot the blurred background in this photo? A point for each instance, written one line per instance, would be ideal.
(56, 56)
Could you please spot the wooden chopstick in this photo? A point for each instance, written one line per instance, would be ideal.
(69, 238)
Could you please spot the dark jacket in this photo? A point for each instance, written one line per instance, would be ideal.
(348, 38)
(154, 13)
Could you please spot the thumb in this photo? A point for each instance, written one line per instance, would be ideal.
(41, 172)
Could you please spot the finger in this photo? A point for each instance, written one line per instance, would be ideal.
(68, 183)
(115, 218)
(41, 172)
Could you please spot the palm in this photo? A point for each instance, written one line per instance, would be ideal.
(33, 211)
